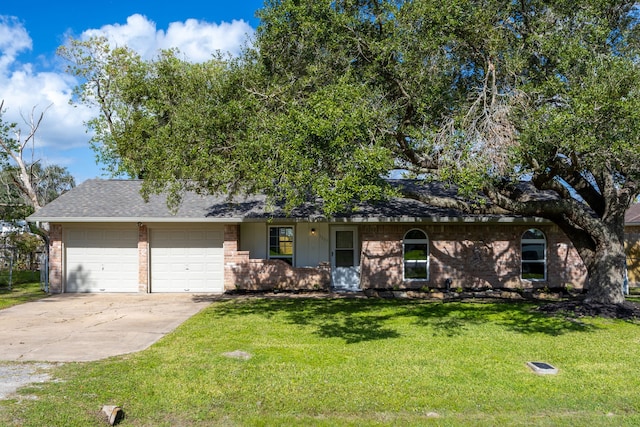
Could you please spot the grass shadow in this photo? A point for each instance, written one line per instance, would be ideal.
(453, 319)
(358, 319)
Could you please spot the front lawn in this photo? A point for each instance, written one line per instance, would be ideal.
(356, 362)
(25, 290)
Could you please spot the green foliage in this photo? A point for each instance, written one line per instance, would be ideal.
(334, 96)
(26, 246)
(49, 182)
(7, 132)
(198, 126)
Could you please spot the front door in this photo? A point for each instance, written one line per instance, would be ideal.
(345, 265)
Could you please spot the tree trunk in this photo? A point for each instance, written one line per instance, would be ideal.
(607, 274)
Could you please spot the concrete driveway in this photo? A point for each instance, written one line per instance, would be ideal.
(85, 327)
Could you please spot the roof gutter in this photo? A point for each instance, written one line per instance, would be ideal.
(356, 220)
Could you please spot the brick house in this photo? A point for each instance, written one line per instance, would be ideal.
(632, 244)
(105, 238)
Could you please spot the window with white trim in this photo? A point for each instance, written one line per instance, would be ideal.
(281, 243)
(415, 254)
(534, 255)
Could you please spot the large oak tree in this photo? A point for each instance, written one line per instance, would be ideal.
(334, 95)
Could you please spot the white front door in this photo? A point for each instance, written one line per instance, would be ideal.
(345, 263)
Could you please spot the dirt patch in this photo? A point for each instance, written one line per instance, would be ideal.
(16, 375)
(626, 311)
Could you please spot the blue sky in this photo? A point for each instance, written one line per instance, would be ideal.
(32, 77)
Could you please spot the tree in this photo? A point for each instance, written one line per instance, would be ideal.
(532, 103)
(49, 182)
(27, 185)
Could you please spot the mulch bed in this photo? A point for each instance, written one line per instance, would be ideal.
(626, 311)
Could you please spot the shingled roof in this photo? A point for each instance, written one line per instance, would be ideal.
(99, 200)
(632, 216)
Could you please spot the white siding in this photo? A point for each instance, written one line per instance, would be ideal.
(253, 238)
(311, 249)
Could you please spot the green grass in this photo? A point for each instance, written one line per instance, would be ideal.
(21, 292)
(356, 362)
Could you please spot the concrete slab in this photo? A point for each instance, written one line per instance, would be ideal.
(86, 327)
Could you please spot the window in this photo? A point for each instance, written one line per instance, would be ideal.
(415, 252)
(281, 244)
(534, 255)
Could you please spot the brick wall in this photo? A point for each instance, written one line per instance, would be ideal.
(471, 256)
(266, 275)
(143, 258)
(468, 256)
(55, 258)
(632, 249)
(243, 273)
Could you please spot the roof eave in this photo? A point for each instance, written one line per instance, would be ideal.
(354, 220)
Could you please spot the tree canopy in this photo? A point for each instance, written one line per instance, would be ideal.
(334, 96)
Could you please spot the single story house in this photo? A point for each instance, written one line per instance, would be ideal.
(632, 243)
(105, 238)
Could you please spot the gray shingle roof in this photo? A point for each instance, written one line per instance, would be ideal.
(99, 200)
(632, 216)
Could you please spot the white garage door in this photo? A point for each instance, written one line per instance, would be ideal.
(101, 260)
(187, 260)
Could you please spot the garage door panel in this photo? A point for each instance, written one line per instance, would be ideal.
(189, 260)
(101, 260)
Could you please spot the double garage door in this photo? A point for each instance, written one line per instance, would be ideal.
(180, 259)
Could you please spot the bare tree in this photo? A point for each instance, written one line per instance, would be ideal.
(14, 148)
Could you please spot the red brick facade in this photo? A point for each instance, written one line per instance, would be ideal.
(243, 273)
(468, 256)
(632, 248)
(55, 258)
(143, 258)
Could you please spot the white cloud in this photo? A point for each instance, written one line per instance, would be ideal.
(13, 40)
(197, 40)
(62, 137)
(26, 91)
